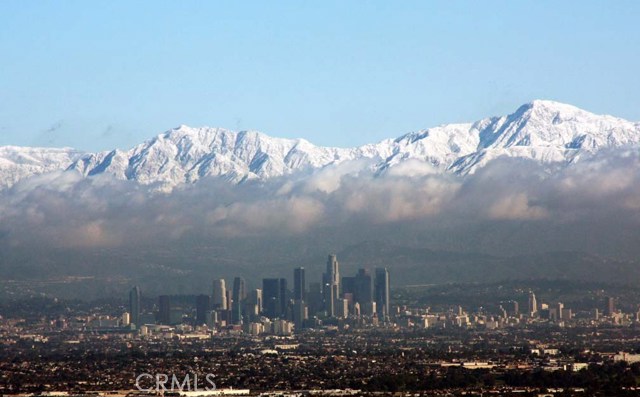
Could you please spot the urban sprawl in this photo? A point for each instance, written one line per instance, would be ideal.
(341, 336)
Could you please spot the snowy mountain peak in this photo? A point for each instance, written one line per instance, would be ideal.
(545, 131)
(549, 132)
(550, 106)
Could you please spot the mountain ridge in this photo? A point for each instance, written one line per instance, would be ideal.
(545, 131)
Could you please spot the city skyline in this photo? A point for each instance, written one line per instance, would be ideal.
(364, 294)
(319, 199)
(471, 331)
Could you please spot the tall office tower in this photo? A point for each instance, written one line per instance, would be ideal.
(271, 297)
(382, 292)
(229, 303)
(611, 306)
(329, 298)
(315, 304)
(164, 313)
(219, 295)
(239, 296)
(254, 302)
(284, 297)
(364, 291)
(533, 305)
(134, 306)
(203, 306)
(559, 308)
(515, 308)
(331, 283)
(299, 285)
(299, 314)
(342, 308)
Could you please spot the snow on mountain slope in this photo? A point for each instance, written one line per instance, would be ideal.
(440, 146)
(17, 163)
(548, 132)
(545, 131)
(187, 154)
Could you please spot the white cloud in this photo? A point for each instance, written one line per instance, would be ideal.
(68, 210)
(517, 207)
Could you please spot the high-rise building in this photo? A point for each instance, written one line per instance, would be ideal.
(363, 286)
(229, 294)
(515, 308)
(271, 297)
(134, 306)
(342, 308)
(315, 304)
(533, 305)
(164, 312)
(239, 296)
(254, 302)
(299, 285)
(219, 295)
(559, 309)
(239, 289)
(203, 306)
(299, 314)
(364, 291)
(611, 306)
(331, 285)
(382, 292)
(284, 297)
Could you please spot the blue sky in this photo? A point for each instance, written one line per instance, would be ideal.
(102, 74)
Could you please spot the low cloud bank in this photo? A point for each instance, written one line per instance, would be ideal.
(65, 210)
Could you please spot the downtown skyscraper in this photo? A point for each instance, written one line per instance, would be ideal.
(532, 304)
(381, 292)
(239, 296)
(219, 294)
(203, 306)
(331, 285)
(274, 297)
(134, 305)
(299, 284)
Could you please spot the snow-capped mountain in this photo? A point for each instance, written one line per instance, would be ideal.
(17, 163)
(187, 154)
(545, 131)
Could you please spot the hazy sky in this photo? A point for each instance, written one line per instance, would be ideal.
(97, 75)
